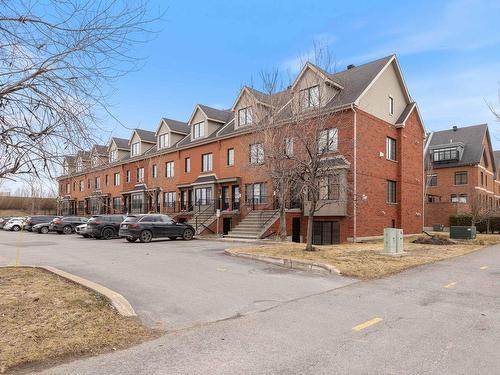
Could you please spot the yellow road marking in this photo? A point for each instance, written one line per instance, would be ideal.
(367, 324)
(483, 267)
(450, 285)
(222, 269)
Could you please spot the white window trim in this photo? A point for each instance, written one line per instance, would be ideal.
(169, 169)
(132, 153)
(202, 131)
(391, 105)
(210, 162)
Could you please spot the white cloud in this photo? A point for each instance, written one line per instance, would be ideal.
(294, 65)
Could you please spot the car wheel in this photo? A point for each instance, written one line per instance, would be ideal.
(188, 234)
(145, 236)
(173, 238)
(131, 239)
(67, 229)
(16, 228)
(44, 230)
(107, 233)
(85, 235)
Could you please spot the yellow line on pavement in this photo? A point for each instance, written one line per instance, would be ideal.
(450, 285)
(483, 267)
(367, 324)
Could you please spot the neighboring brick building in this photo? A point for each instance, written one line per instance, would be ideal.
(212, 161)
(461, 172)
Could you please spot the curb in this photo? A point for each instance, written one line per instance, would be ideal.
(119, 302)
(288, 263)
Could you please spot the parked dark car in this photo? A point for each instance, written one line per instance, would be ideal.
(147, 227)
(66, 224)
(37, 219)
(42, 228)
(104, 226)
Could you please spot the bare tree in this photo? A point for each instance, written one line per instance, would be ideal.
(58, 60)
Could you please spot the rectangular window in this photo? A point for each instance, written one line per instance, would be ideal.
(187, 165)
(327, 140)
(113, 156)
(288, 146)
(257, 153)
(203, 196)
(116, 179)
(206, 162)
(230, 156)
(106, 180)
(329, 188)
(460, 178)
(82, 185)
(245, 116)
(390, 149)
(444, 155)
(482, 178)
(255, 193)
(391, 105)
(134, 150)
(391, 191)
(127, 176)
(88, 183)
(117, 204)
(154, 171)
(163, 141)
(137, 202)
(169, 199)
(140, 174)
(199, 130)
(169, 169)
(68, 189)
(309, 97)
(98, 182)
(432, 180)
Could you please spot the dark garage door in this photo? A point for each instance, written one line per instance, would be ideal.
(326, 232)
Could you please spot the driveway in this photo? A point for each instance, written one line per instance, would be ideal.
(170, 284)
(442, 318)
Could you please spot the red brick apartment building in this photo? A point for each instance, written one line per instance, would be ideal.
(462, 172)
(190, 169)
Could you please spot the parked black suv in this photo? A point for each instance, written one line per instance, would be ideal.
(37, 219)
(147, 227)
(66, 224)
(104, 226)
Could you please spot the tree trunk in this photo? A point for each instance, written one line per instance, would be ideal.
(281, 200)
(310, 219)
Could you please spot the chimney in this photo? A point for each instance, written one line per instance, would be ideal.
(350, 66)
(455, 128)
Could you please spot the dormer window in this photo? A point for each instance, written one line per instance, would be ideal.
(199, 130)
(113, 156)
(134, 150)
(309, 97)
(445, 155)
(79, 165)
(163, 141)
(245, 116)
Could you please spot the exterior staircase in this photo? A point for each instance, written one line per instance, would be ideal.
(254, 224)
(202, 218)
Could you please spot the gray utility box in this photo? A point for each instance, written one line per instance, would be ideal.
(438, 227)
(463, 233)
(393, 241)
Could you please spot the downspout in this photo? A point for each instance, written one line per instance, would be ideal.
(354, 218)
(427, 144)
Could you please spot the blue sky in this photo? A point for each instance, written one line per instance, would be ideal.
(449, 52)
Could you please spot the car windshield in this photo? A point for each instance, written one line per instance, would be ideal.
(131, 219)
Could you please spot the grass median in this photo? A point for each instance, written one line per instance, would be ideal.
(45, 319)
(364, 260)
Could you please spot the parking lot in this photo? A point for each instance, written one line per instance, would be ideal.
(172, 284)
(226, 315)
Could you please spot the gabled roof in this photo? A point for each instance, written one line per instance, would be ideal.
(99, 150)
(496, 156)
(218, 115)
(145, 135)
(84, 155)
(471, 137)
(121, 143)
(174, 126)
(326, 76)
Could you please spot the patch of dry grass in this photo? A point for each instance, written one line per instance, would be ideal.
(365, 261)
(44, 318)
